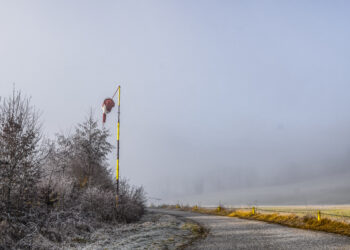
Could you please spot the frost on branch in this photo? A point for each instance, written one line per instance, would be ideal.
(55, 191)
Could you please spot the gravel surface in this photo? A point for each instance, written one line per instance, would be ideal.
(154, 231)
(234, 233)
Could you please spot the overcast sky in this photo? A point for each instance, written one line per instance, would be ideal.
(222, 101)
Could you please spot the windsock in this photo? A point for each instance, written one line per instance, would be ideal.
(107, 106)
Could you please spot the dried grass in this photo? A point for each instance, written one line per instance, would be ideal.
(292, 220)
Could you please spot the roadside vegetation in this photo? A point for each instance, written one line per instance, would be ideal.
(299, 219)
(52, 191)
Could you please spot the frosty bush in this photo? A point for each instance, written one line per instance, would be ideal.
(131, 202)
(20, 138)
(99, 203)
(53, 190)
(84, 154)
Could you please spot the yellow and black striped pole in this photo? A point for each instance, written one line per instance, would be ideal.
(118, 134)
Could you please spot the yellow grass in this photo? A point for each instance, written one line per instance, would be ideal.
(292, 220)
(194, 228)
(291, 217)
(342, 210)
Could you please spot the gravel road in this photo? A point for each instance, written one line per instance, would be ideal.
(234, 233)
(155, 231)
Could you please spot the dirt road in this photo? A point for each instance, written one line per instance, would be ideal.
(234, 233)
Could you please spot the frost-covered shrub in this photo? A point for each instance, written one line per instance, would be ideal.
(59, 191)
(84, 154)
(99, 203)
(131, 202)
(105, 205)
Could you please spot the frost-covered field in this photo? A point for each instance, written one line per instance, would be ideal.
(154, 231)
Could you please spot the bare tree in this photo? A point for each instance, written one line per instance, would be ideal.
(20, 137)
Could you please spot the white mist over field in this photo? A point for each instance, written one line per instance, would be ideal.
(238, 102)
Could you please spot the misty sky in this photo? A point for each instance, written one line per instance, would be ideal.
(222, 101)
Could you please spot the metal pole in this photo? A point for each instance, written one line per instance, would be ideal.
(118, 133)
